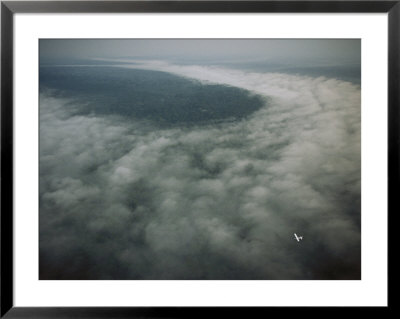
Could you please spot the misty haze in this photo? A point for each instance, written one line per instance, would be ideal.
(200, 159)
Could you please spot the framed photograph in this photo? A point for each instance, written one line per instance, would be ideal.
(190, 158)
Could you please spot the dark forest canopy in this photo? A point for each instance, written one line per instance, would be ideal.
(161, 97)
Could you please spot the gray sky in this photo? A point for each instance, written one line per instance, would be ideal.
(327, 51)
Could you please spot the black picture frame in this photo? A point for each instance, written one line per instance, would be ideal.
(9, 8)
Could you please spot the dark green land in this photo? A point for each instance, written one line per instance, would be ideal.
(160, 97)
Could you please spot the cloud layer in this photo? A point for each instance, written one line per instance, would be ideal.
(126, 200)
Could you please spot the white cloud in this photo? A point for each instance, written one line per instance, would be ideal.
(217, 201)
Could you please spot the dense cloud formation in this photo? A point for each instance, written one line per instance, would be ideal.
(122, 199)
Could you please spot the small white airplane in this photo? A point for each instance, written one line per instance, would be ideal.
(298, 238)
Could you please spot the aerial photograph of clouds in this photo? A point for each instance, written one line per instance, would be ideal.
(200, 159)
